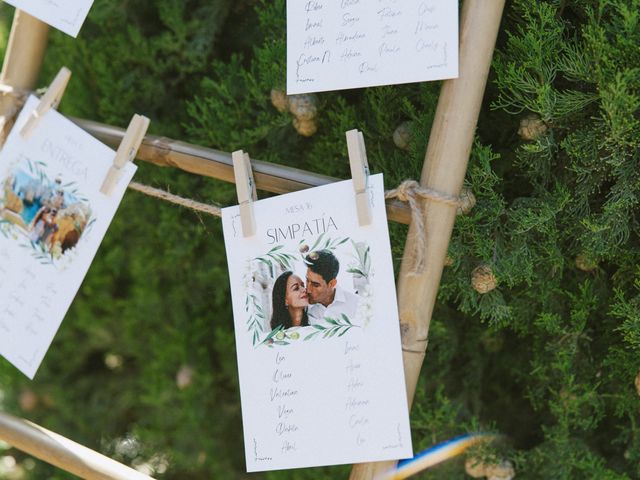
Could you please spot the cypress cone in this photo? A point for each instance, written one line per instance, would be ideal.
(500, 471)
(279, 100)
(532, 127)
(584, 263)
(306, 128)
(303, 107)
(467, 201)
(402, 135)
(482, 279)
(475, 467)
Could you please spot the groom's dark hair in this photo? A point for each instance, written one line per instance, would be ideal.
(324, 263)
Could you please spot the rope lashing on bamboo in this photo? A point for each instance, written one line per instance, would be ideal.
(411, 192)
(213, 210)
(14, 91)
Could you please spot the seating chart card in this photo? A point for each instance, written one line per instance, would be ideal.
(52, 220)
(65, 15)
(334, 45)
(317, 331)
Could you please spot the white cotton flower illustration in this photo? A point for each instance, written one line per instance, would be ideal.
(247, 276)
(364, 311)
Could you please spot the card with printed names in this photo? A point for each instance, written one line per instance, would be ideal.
(65, 15)
(317, 331)
(52, 220)
(336, 45)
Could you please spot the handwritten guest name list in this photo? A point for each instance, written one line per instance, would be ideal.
(340, 44)
(65, 15)
(310, 408)
(356, 405)
(52, 220)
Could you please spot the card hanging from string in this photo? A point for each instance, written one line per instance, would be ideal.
(246, 189)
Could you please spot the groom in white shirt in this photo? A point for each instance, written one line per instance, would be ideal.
(326, 298)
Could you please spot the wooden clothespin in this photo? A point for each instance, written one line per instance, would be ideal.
(49, 100)
(126, 151)
(246, 188)
(360, 175)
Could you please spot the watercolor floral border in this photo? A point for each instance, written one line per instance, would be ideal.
(264, 268)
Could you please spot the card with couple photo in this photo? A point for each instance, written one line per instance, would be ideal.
(317, 331)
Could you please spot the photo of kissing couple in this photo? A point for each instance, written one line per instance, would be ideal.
(311, 297)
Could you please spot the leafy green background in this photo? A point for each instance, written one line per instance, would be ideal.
(548, 358)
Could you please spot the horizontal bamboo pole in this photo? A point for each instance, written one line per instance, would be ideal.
(62, 452)
(269, 177)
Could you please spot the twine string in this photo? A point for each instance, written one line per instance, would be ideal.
(21, 93)
(408, 191)
(411, 192)
(209, 209)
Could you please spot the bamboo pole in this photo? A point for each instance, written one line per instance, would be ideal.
(21, 66)
(270, 177)
(62, 452)
(444, 169)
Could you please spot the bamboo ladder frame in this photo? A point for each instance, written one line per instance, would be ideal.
(444, 169)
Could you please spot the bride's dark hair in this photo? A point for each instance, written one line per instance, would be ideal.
(280, 314)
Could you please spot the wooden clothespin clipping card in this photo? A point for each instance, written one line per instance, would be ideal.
(360, 175)
(50, 100)
(246, 188)
(126, 151)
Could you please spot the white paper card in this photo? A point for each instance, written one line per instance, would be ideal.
(65, 15)
(334, 45)
(332, 392)
(52, 220)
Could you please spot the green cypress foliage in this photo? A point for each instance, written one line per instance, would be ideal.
(548, 358)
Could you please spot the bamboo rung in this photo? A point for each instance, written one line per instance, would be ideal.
(62, 452)
(269, 177)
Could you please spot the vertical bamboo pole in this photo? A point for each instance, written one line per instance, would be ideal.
(444, 169)
(22, 62)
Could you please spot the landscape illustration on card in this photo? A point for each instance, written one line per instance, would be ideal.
(46, 216)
